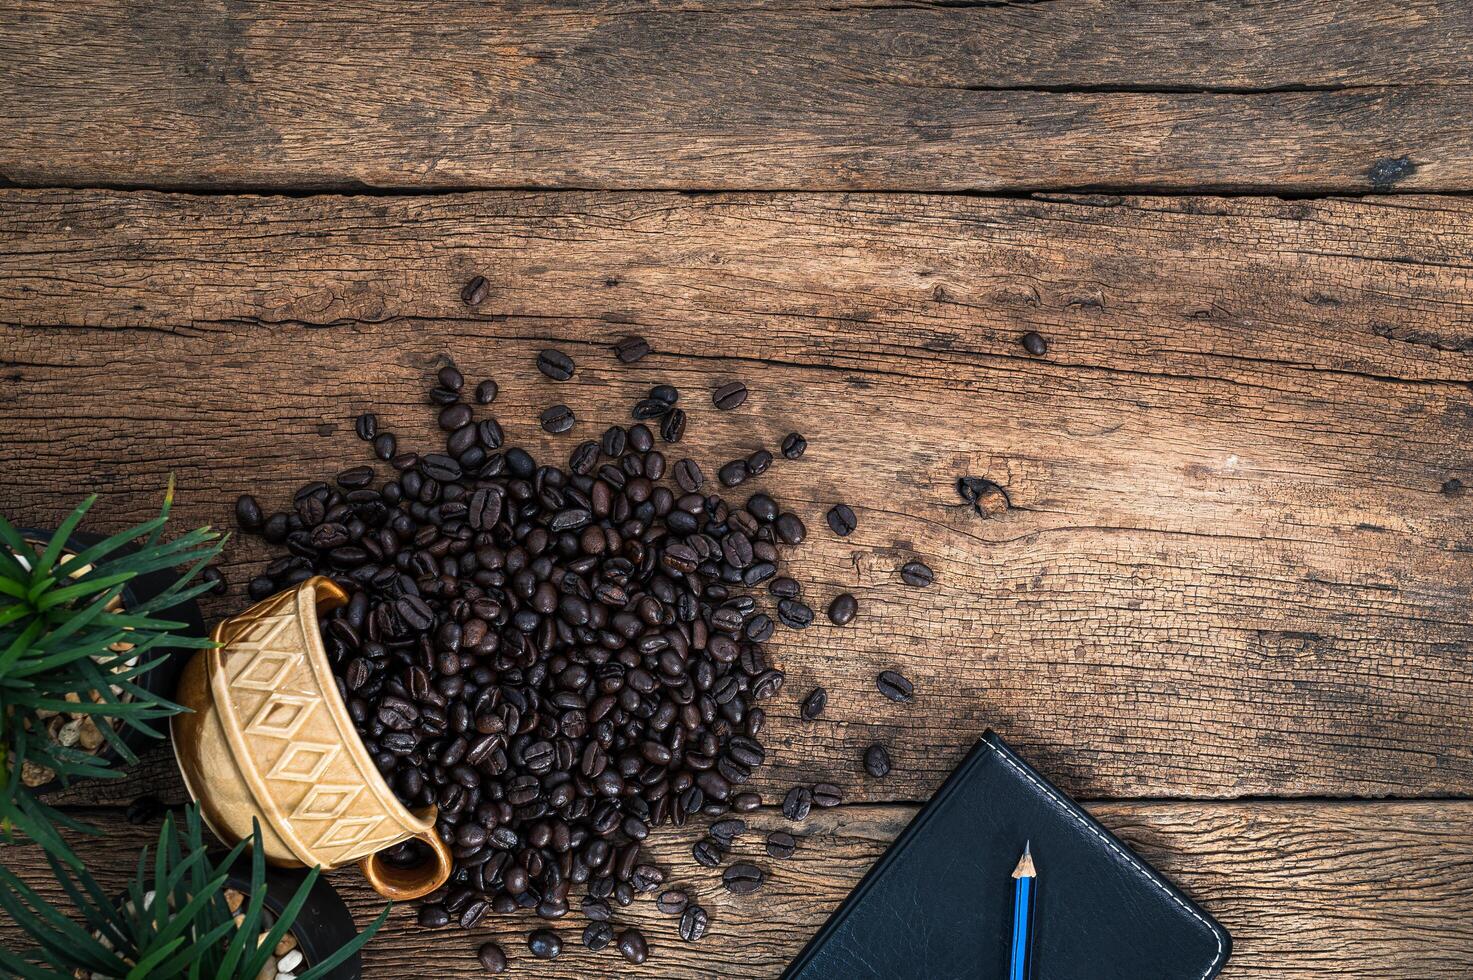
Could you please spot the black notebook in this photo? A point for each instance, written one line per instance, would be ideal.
(939, 904)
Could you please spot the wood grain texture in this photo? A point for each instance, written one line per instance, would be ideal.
(1306, 889)
(1238, 558)
(1072, 94)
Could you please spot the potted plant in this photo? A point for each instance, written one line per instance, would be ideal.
(187, 914)
(86, 627)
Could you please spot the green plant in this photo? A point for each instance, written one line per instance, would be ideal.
(63, 631)
(172, 922)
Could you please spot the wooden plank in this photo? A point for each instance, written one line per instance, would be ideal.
(1238, 560)
(1306, 889)
(1289, 96)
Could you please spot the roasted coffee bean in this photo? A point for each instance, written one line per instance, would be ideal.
(917, 574)
(730, 395)
(794, 445)
(694, 922)
(790, 529)
(597, 935)
(450, 378)
(631, 349)
(877, 761)
(843, 609)
(728, 830)
(366, 425)
(492, 957)
(813, 705)
(261, 587)
(596, 909)
(797, 803)
(433, 916)
(555, 364)
(794, 614)
(826, 795)
(1034, 344)
(688, 476)
(633, 947)
(356, 478)
(758, 462)
(641, 440)
(144, 809)
(895, 686)
(557, 419)
(781, 844)
(647, 409)
(669, 394)
(672, 901)
(743, 878)
(745, 802)
(785, 588)
(486, 392)
(672, 426)
(215, 578)
(454, 417)
(385, 445)
(545, 944)
(841, 520)
(733, 473)
(475, 291)
(248, 513)
(707, 852)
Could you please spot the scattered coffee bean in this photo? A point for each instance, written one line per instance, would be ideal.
(895, 686)
(841, 520)
(672, 426)
(486, 392)
(649, 409)
(733, 473)
(215, 578)
(433, 916)
(758, 462)
(555, 364)
(598, 935)
(797, 803)
(743, 878)
(144, 809)
(474, 292)
(877, 761)
(688, 476)
(248, 513)
(746, 802)
(545, 944)
(843, 609)
(781, 844)
(794, 445)
(794, 614)
(366, 425)
(1034, 344)
(814, 704)
(385, 445)
(631, 349)
(450, 378)
(785, 588)
(693, 923)
(669, 394)
(826, 795)
(557, 419)
(728, 830)
(633, 947)
(729, 396)
(917, 574)
(708, 852)
(672, 901)
(492, 957)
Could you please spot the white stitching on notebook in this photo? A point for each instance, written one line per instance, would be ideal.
(1127, 858)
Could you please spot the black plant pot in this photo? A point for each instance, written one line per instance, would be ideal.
(322, 927)
(163, 679)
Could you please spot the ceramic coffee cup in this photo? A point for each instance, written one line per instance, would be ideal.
(268, 738)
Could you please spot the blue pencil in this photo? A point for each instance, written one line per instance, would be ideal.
(1023, 880)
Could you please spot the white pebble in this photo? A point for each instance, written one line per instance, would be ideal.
(290, 961)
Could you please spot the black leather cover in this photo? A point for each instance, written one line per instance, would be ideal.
(939, 904)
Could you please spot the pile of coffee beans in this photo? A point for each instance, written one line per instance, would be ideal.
(561, 658)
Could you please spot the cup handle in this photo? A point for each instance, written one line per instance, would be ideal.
(403, 884)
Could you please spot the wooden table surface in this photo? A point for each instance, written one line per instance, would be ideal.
(1229, 607)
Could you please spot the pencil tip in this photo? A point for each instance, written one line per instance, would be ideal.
(1025, 868)
(1028, 847)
